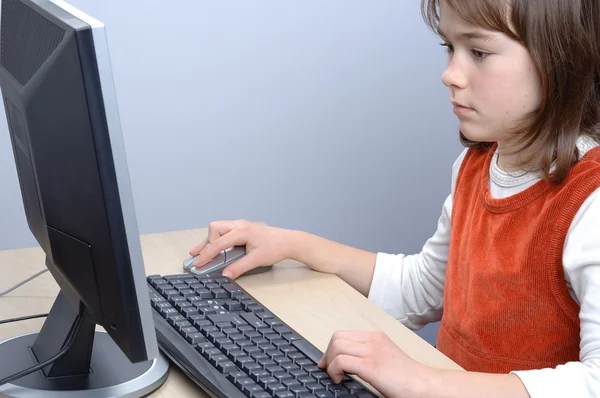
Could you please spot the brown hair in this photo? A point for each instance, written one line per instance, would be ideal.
(563, 39)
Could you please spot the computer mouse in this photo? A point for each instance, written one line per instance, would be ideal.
(222, 260)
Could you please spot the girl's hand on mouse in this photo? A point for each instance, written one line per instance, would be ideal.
(265, 245)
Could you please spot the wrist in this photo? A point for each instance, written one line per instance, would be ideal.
(310, 250)
(294, 244)
(429, 383)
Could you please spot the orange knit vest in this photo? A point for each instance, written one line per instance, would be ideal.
(506, 303)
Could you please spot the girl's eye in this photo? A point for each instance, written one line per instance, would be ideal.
(480, 54)
(449, 47)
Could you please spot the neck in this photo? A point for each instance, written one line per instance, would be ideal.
(510, 157)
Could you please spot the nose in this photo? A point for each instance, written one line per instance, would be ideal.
(453, 76)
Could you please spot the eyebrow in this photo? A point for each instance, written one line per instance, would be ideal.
(473, 34)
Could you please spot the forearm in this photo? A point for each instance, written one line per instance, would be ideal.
(451, 384)
(354, 266)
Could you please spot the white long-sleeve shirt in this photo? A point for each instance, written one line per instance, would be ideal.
(411, 287)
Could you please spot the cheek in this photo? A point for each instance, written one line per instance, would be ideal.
(509, 95)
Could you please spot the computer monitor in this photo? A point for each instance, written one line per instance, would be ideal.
(62, 115)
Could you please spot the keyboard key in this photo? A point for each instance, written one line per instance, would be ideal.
(243, 343)
(189, 330)
(273, 389)
(264, 315)
(319, 375)
(204, 346)
(266, 380)
(178, 318)
(310, 369)
(285, 394)
(364, 394)
(291, 337)
(249, 367)
(244, 328)
(353, 387)
(216, 359)
(281, 376)
(282, 360)
(233, 305)
(220, 293)
(243, 381)
(204, 293)
(235, 376)
(304, 363)
(229, 319)
(308, 349)
(181, 304)
(272, 336)
(336, 389)
(314, 387)
(253, 320)
(290, 382)
(282, 330)
(279, 342)
(232, 289)
(272, 369)
(190, 311)
(251, 390)
(182, 325)
(298, 389)
(257, 373)
(195, 338)
(254, 308)
(177, 276)
(324, 394)
(298, 374)
(273, 322)
(296, 356)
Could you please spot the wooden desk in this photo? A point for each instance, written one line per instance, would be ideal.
(313, 303)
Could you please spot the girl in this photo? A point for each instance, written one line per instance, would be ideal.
(513, 270)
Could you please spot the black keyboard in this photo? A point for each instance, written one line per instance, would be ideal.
(232, 346)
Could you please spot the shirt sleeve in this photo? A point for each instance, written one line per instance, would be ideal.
(581, 262)
(411, 287)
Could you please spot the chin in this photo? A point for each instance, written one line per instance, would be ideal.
(473, 133)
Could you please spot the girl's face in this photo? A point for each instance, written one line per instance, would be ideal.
(492, 79)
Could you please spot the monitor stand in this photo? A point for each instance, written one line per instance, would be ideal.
(94, 367)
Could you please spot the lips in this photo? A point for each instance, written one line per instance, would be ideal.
(459, 105)
(461, 110)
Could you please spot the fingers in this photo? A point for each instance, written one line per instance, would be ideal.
(215, 247)
(343, 364)
(215, 231)
(219, 228)
(342, 347)
(352, 335)
(241, 266)
(348, 353)
(198, 248)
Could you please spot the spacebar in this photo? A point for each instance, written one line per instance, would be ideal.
(308, 349)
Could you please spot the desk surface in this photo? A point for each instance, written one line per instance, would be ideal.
(315, 304)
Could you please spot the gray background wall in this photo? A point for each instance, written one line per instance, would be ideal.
(328, 117)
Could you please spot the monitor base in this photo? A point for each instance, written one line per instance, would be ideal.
(111, 373)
